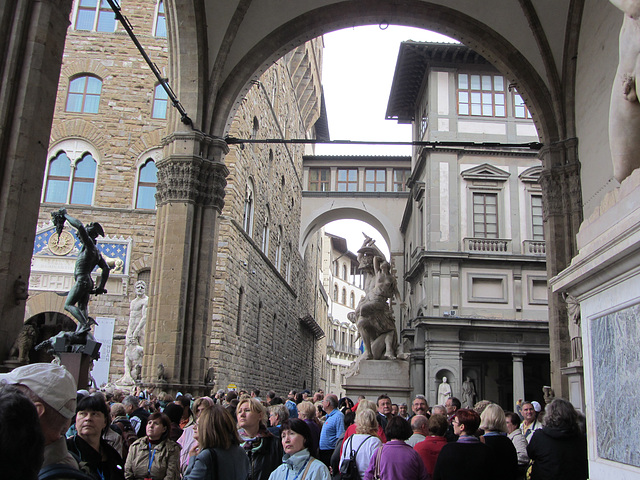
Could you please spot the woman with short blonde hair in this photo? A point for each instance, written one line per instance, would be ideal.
(364, 442)
(307, 412)
(366, 422)
(492, 419)
(494, 424)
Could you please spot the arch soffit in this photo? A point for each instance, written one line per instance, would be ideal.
(75, 148)
(447, 21)
(44, 302)
(312, 225)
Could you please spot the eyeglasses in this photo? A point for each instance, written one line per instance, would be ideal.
(455, 422)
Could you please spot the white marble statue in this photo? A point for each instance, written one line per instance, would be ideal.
(624, 110)
(444, 391)
(468, 393)
(135, 334)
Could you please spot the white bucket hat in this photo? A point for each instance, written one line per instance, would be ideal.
(52, 383)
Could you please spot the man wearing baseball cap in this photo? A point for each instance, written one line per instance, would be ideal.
(52, 389)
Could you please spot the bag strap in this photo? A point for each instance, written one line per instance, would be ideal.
(376, 474)
(304, 475)
(360, 446)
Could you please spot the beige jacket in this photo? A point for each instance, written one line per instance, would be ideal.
(165, 465)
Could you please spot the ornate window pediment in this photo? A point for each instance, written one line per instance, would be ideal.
(531, 175)
(486, 172)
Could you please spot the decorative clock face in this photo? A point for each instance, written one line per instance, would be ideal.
(61, 245)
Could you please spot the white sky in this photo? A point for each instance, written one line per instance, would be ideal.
(357, 73)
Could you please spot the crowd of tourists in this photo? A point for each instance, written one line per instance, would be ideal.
(49, 430)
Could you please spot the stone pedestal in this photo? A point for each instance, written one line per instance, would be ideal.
(575, 375)
(78, 365)
(375, 377)
(605, 278)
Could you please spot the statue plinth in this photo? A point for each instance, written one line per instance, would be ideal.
(374, 377)
(79, 365)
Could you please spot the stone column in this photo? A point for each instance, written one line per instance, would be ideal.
(562, 213)
(518, 378)
(190, 197)
(32, 36)
(417, 372)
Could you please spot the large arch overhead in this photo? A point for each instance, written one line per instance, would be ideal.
(525, 41)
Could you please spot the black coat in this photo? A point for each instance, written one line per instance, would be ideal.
(265, 456)
(112, 468)
(558, 454)
(505, 456)
(465, 461)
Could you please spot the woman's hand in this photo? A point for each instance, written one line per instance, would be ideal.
(195, 450)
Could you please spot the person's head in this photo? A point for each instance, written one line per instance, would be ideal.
(439, 410)
(480, 406)
(117, 410)
(384, 405)
(141, 288)
(397, 429)
(345, 402)
(437, 425)
(394, 409)
(306, 410)
(330, 403)
(202, 403)
(560, 414)
(420, 405)
(528, 412)
(230, 396)
(291, 395)
(270, 395)
(216, 428)
(364, 404)
(419, 424)
(158, 427)
(452, 405)
(402, 409)
(185, 403)
(492, 419)
(130, 404)
(92, 417)
(465, 422)
(251, 414)
(278, 414)
(349, 418)
(295, 435)
(52, 389)
(174, 412)
(366, 422)
(255, 392)
(21, 439)
(512, 420)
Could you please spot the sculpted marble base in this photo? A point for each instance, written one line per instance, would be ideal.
(375, 377)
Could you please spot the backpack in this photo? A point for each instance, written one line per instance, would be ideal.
(348, 466)
(128, 436)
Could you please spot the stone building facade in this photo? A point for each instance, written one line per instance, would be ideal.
(106, 142)
(475, 269)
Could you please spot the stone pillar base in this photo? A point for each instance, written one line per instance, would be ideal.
(575, 375)
(375, 377)
(78, 365)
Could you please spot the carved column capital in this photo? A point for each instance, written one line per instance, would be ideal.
(192, 170)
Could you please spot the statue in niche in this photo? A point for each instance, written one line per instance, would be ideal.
(468, 393)
(444, 391)
(373, 315)
(135, 333)
(624, 111)
(575, 332)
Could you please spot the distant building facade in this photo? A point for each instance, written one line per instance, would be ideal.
(106, 142)
(475, 288)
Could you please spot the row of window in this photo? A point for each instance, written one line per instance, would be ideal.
(485, 96)
(83, 96)
(97, 15)
(73, 182)
(375, 179)
(343, 299)
(485, 216)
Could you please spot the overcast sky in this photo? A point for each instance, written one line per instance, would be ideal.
(358, 68)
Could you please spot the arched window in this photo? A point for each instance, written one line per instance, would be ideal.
(147, 181)
(344, 296)
(57, 186)
(279, 249)
(266, 232)
(160, 100)
(344, 272)
(335, 292)
(84, 94)
(83, 180)
(352, 300)
(247, 221)
(161, 21)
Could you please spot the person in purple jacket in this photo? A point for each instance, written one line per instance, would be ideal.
(395, 460)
